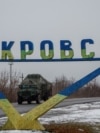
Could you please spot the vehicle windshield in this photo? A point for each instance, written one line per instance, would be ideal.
(28, 87)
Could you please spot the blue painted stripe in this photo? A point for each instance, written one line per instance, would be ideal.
(2, 96)
(49, 60)
(77, 85)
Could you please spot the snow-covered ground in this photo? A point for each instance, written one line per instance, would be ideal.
(89, 113)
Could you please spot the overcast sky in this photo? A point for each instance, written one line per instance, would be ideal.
(55, 20)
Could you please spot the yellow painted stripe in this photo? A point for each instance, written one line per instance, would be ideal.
(29, 120)
(11, 112)
(44, 107)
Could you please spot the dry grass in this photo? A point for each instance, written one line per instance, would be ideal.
(69, 128)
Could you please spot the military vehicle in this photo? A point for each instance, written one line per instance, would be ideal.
(34, 88)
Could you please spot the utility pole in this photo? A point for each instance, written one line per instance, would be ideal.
(10, 64)
(22, 77)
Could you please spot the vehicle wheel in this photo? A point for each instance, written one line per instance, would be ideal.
(19, 101)
(38, 99)
(29, 101)
(45, 98)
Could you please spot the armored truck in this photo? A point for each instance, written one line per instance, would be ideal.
(34, 88)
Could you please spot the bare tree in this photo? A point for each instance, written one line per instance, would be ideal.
(61, 83)
(92, 89)
(9, 91)
(4, 80)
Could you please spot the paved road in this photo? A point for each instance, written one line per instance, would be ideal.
(26, 107)
(78, 101)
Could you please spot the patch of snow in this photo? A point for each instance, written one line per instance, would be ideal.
(89, 113)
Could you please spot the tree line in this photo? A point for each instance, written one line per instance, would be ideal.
(10, 88)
